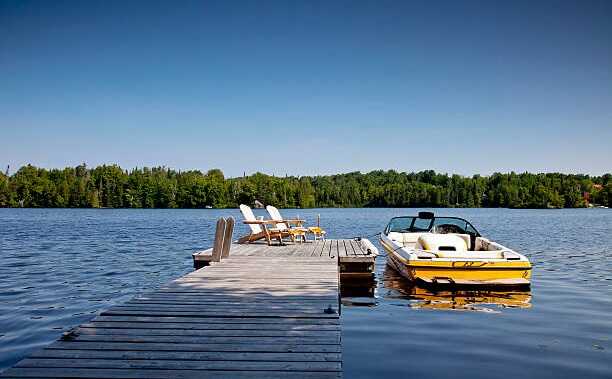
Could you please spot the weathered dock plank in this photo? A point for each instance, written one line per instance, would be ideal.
(213, 320)
(94, 373)
(224, 347)
(188, 355)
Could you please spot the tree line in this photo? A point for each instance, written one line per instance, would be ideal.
(110, 186)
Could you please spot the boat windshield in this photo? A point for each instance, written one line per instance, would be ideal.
(407, 224)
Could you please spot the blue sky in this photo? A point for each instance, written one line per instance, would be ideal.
(304, 88)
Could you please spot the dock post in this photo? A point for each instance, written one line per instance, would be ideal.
(218, 244)
(227, 238)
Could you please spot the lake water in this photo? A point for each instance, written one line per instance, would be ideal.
(59, 267)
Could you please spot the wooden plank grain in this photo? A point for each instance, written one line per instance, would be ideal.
(94, 330)
(197, 320)
(322, 339)
(226, 301)
(202, 347)
(141, 364)
(218, 245)
(227, 237)
(275, 326)
(314, 307)
(203, 299)
(27, 372)
(189, 355)
(213, 313)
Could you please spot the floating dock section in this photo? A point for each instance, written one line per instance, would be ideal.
(355, 257)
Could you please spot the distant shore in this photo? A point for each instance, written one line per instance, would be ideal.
(110, 186)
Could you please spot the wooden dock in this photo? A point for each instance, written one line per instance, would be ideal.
(355, 257)
(261, 312)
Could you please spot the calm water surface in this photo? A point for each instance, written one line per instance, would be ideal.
(58, 268)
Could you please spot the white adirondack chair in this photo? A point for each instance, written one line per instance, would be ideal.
(259, 230)
(296, 231)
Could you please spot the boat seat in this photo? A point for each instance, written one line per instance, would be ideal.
(405, 238)
(453, 246)
(446, 243)
(466, 238)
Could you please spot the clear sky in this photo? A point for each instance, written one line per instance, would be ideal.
(309, 87)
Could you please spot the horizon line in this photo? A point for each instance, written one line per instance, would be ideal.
(362, 172)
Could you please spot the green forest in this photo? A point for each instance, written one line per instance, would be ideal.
(110, 186)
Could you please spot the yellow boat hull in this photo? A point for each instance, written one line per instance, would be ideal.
(461, 272)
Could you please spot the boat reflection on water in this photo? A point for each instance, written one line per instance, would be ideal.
(477, 299)
(396, 287)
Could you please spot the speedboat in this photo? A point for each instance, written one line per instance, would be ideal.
(450, 251)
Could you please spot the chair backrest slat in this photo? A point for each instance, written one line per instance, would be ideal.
(248, 215)
(275, 215)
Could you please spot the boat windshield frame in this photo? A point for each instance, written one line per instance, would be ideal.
(412, 228)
